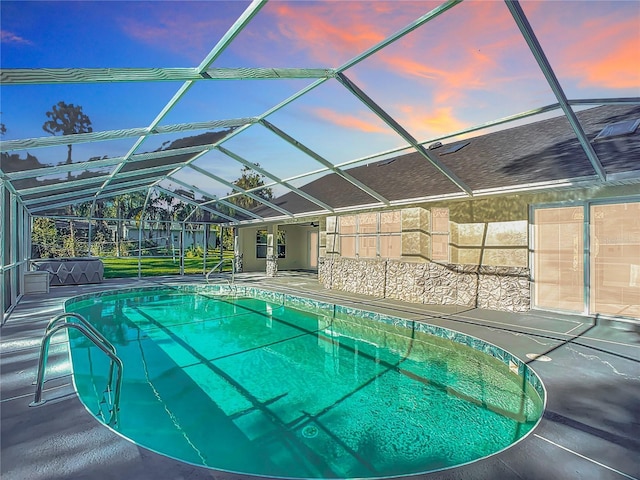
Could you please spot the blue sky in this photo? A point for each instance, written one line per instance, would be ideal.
(468, 66)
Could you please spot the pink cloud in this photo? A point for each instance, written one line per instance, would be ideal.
(438, 121)
(449, 67)
(596, 45)
(191, 32)
(330, 33)
(364, 123)
(313, 29)
(613, 58)
(10, 37)
(449, 64)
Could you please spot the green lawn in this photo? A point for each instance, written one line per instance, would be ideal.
(121, 267)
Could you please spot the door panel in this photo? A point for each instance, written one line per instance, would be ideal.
(313, 249)
(559, 259)
(615, 259)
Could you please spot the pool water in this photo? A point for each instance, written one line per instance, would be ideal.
(252, 386)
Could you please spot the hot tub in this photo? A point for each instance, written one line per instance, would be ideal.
(71, 271)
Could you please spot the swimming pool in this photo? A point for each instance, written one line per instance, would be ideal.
(264, 383)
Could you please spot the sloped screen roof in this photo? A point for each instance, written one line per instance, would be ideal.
(333, 104)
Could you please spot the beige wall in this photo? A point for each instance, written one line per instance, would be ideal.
(490, 231)
(490, 243)
(247, 246)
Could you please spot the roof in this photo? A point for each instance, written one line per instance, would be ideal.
(537, 153)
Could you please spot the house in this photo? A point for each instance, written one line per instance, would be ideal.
(549, 223)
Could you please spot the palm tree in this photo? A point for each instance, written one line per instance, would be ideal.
(164, 208)
(125, 206)
(248, 180)
(67, 119)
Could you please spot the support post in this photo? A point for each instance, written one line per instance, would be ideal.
(272, 251)
(237, 254)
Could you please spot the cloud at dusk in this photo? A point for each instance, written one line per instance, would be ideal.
(191, 32)
(326, 39)
(613, 58)
(363, 123)
(10, 37)
(323, 33)
(448, 67)
(595, 45)
(439, 121)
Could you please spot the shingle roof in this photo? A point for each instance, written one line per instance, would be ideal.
(543, 151)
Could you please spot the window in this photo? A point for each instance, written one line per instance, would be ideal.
(347, 227)
(368, 235)
(390, 238)
(371, 235)
(440, 234)
(261, 244)
(281, 244)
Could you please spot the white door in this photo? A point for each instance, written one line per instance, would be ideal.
(313, 250)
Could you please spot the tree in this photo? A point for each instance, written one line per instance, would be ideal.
(67, 119)
(250, 179)
(163, 210)
(126, 206)
(45, 238)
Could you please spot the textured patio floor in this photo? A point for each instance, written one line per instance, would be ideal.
(590, 429)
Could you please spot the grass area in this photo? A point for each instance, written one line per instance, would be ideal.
(123, 267)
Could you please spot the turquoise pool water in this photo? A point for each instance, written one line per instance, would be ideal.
(253, 385)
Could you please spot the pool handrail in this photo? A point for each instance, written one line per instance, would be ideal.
(97, 339)
(219, 265)
(65, 317)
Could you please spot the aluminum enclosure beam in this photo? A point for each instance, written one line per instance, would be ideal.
(270, 176)
(64, 140)
(257, 198)
(107, 162)
(70, 195)
(40, 76)
(85, 199)
(325, 162)
(532, 41)
(214, 199)
(184, 199)
(85, 181)
(384, 116)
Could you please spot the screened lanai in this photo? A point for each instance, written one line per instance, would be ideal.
(177, 101)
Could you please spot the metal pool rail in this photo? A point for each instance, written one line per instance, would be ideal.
(60, 322)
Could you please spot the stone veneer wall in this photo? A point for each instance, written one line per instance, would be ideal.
(495, 288)
(272, 266)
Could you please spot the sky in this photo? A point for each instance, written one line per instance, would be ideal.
(466, 67)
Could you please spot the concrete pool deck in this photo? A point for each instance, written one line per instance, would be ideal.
(590, 429)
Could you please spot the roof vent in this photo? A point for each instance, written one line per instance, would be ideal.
(618, 129)
(433, 146)
(454, 148)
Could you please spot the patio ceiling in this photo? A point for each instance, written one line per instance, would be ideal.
(294, 138)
